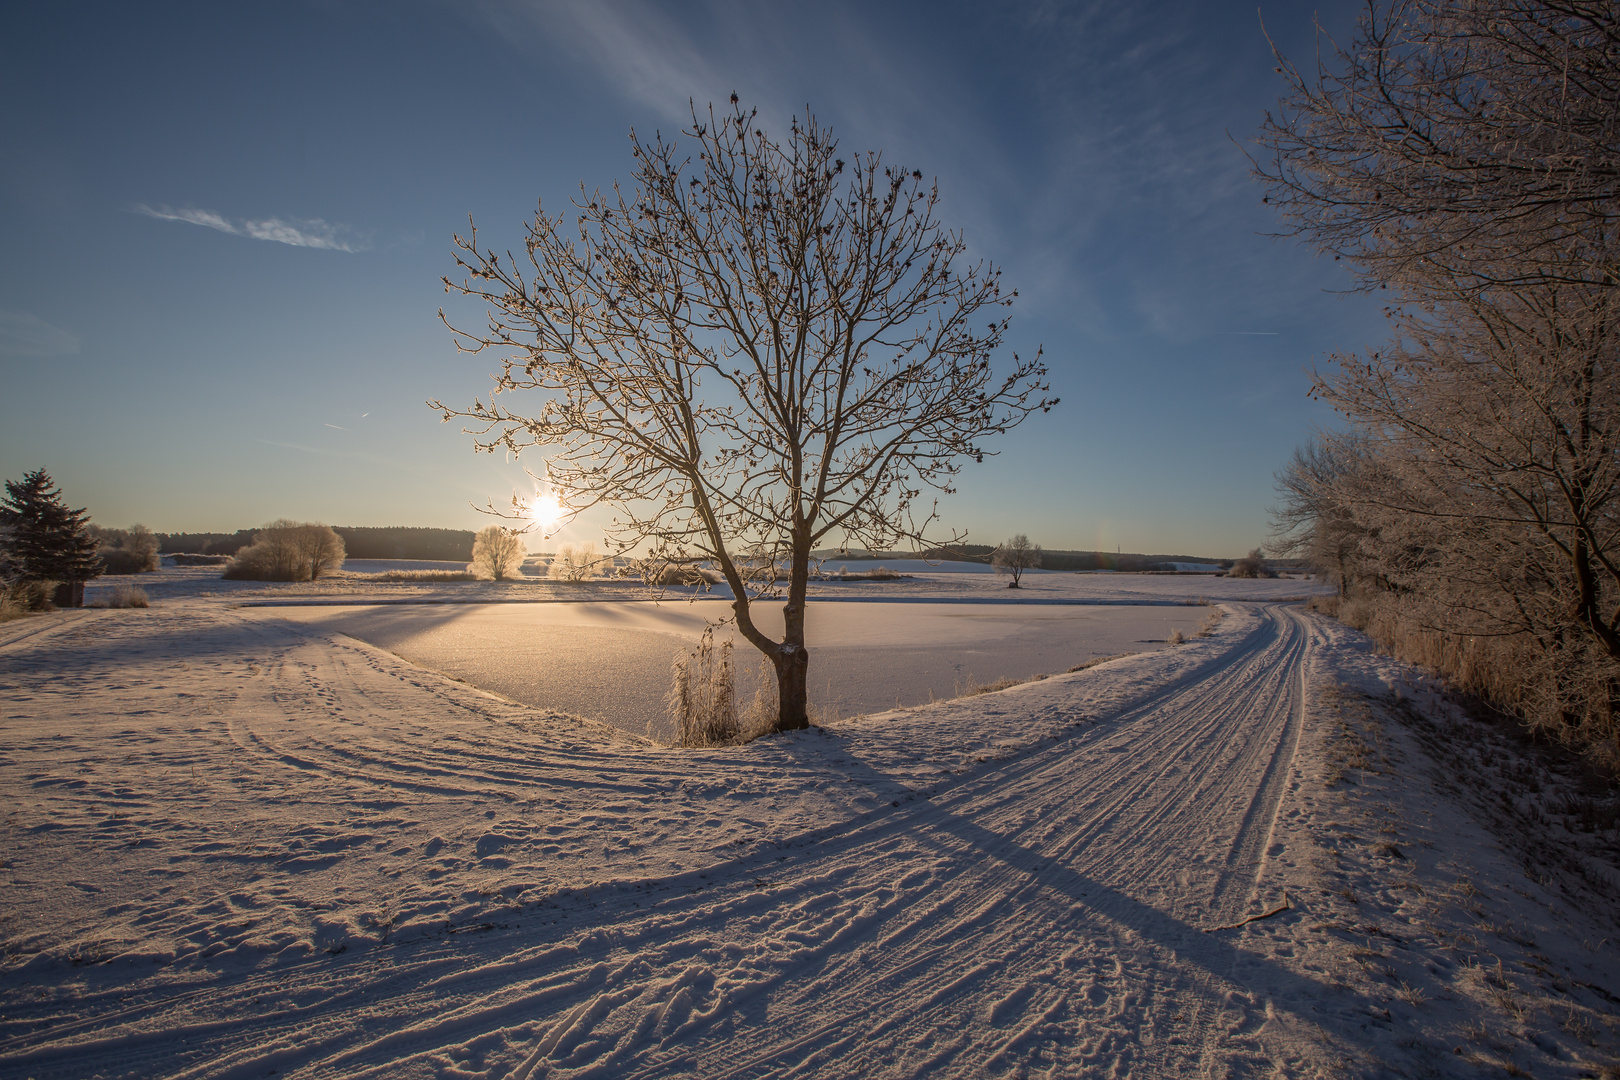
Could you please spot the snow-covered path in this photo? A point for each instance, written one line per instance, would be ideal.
(1045, 912)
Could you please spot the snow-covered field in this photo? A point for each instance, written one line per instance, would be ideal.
(238, 844)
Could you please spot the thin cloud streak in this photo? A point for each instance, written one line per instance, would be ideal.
(297, 232)
(22, 334)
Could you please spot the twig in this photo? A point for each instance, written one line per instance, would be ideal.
(1278, 910)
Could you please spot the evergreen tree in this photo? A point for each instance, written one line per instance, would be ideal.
(44, 540)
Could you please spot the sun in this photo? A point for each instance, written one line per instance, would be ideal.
(545, 512)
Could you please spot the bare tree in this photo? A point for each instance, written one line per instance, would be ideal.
(1457, 145)
(1013, 557)
(1316, 517)
(497, 554)
(747, 354)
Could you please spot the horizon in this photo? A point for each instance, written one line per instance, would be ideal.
(226, 228)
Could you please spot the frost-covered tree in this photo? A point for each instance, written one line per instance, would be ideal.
(1465, 156)
(1457, 145)
(761, 346)
(47, 541)
(497, 554)
(1013, 557)
(288, 551)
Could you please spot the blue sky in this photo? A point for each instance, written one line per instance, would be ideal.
(223, 228)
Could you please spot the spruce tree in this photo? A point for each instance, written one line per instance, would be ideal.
(46, 541)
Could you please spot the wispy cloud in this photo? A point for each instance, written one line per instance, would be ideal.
(298, 232)
(22, 334)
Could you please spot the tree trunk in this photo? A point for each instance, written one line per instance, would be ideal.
(792, 658)
(792, 688)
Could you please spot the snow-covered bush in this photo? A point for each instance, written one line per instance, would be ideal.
(1252, 565)
(288, 551)
(576, 562)
(125, 596)
(497, 554)
(680, 574)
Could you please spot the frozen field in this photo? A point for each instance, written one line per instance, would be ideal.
(611, 661)
(238, 843)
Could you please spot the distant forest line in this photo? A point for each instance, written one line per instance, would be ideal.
(455, 545)
(1051, 559)
(394, 542)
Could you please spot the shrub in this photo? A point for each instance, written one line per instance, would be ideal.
(288, 551)
(680, 574)
(576, 562)
(497, 554)
(1252, 565)
(125, 596)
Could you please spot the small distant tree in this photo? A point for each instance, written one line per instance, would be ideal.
(46, 541)
(1015, 556)
(288, 551)
(497, 554)
(759, 348)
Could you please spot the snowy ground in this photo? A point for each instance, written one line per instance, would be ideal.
(236, 844)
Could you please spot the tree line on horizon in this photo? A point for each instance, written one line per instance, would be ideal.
(360, 542)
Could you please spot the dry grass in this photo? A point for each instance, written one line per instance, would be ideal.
(1177, 637)
(971, 687)
(702, 697)
(1211, 621)
(419, 575)
(25, 598)
(1567, 698)
(1101, 660)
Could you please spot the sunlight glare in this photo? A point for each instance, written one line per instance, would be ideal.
(545, 512)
